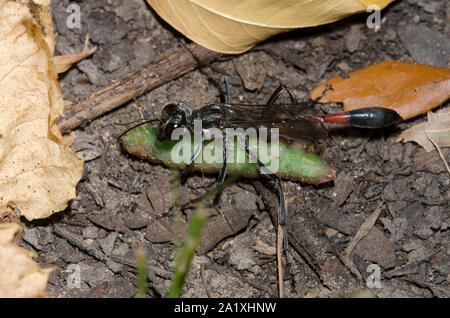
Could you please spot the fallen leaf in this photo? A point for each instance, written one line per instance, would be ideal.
(436, 129)
(64, 62)
(236, 26)
(409, 88)
(431, 162)
(377, 248)
(20, 276)
(38, 174)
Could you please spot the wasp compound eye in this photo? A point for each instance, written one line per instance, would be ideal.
(173, 117)
(167, 129)
(174, 111)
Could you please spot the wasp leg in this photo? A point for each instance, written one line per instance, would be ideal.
(282, 212)
(226, 89)
(278, 92)
(223, 171)
(227, 97)
(197, 152)
(276, 179)
(327, 88)
(186, 107)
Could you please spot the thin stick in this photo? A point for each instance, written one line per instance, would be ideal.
(134, 85)
(438, 150)
(279, 261)
(203, 277)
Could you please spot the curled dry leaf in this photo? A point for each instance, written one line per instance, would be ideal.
(409, 88)
(38, 174)
(236, 26)
(436, 131)
(64, 62)
(20, 276)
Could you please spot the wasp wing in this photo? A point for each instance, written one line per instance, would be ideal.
(294, 121)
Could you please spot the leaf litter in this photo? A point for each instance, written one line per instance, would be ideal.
(38, 173)
(236, 26)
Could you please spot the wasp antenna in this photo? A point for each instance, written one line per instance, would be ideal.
(140, 124)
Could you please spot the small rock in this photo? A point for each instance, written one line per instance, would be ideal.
(397, 227)
(432, 220)
(120, 288)
(433, 217)
(67, 252)
(429, 6)
(95, 76)
(318, 41)
(157, 233)
(87, 146)
(344, 186)
(375, 247)
(136, 220)
(111, 57)
(89, 242)
(241, 256)
(100, 23)
(353, 38)
(372, 191)
(107, 243)
(344, 67)
(249, 69)
(155, 194)
(425, 45)
(344, 223)
(423, 230)
(31, 236)
(121, 250)
(418, 255)
(38, 237)
(413, 245)
(108, 222)
(95, 275)
(115, 267)
(90, 232)
(396, 206)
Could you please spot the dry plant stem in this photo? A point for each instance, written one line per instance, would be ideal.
(279, 260)
(134, 85)
(364, 229)
(307, 238)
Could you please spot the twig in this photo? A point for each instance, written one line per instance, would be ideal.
(438, 150)
(78, 241)
(134, 85)
(305, 235)
(279, 261)
(364, 229)
(203, 277)
(220, 269)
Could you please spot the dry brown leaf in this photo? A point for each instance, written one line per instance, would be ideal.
(236, 26)
(20, 276)
(64, 62)
(409, 88)
(436, 129)
(38, 174)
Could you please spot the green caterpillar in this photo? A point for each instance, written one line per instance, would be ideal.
(294, 162)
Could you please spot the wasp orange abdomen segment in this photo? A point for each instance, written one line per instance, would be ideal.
(339, 118)
(370, 117)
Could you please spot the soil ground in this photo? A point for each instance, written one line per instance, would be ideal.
(120, 196)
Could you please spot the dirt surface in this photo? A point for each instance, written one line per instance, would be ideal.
(401, 187)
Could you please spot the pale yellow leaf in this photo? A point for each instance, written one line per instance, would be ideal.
(64, 62)
(38, 174)
(436, 129)
(234, 26)
(20, 276)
